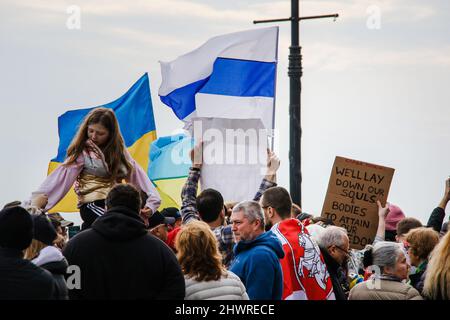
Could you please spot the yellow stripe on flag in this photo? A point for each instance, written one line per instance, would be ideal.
(140, 150)
(69, 202)
(172, 189)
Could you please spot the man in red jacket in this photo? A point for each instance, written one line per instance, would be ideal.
(305, 276)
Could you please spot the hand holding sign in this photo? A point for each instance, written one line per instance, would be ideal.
(382, 211)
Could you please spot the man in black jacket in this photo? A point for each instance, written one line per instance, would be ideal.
(118, 259)
(19, 278)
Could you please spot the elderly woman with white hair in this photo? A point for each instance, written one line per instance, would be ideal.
(388, 262)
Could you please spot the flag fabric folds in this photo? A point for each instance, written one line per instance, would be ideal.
(229, 76)
(134, 112)
(169, 167)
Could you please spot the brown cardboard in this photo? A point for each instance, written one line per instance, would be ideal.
(351, 199)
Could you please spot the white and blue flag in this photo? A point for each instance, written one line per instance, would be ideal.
(230, 76)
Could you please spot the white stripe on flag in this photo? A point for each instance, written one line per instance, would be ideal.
(220, 106)
(254, 45)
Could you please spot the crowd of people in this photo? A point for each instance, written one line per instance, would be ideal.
(263, 248)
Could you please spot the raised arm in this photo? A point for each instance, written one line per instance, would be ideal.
(437, 216)
(59, 182)
(270, 179)
(189, 191)
(382, 213)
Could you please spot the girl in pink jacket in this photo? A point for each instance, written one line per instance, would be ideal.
(97, 159)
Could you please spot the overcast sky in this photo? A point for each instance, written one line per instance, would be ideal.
(376, 90)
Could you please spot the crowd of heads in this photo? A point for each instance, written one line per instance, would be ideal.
(409, 245)
(213, 244)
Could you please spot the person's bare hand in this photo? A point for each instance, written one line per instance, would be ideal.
(273, 162)
(145, 214)
(447, 189)
(196, 155)
(382, 211)
(40, 201)
(59, 242)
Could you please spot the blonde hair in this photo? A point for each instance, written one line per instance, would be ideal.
(114, 150)
(198, 252)
(33, 250)
(437, 278)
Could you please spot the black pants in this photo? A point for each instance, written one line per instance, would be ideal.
(89, 212)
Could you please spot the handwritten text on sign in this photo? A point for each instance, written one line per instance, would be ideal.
(353, 191)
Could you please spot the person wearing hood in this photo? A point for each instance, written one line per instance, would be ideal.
(19, 278)
(43, 254)
(257, 253)
(117, 257)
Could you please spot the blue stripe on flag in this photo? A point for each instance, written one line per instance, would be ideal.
(241, 78)
(230, 77)
(182, 100)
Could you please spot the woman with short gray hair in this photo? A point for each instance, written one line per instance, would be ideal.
(388, 262)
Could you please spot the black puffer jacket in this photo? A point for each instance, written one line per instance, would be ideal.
(118, 259)
(22, 280)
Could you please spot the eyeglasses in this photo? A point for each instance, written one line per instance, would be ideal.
(406, 245)
(347, 253)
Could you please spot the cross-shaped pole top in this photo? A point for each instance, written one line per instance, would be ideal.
(295, 73)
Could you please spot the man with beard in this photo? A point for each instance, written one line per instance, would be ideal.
(305, 276)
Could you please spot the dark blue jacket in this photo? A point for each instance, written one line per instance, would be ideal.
(258, 266)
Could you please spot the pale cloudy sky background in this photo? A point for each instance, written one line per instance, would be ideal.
(377, 95)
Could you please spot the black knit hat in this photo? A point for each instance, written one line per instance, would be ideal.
(16, 228)
(43, 230)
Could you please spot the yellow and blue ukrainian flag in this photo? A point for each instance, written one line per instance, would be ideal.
(169, 167)
(134, 112)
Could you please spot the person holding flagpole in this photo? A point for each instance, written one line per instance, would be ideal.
(96, 160)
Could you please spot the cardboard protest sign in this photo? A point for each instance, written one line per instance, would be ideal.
(351, 200)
